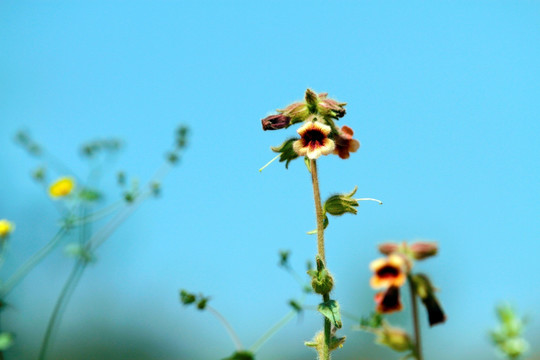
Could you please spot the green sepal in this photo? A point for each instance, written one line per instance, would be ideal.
(341, 203)
(336, 342)
(287, 152)
(241, 355)
(330, 309)
(80, 252)
(89, 195)
(6, 340)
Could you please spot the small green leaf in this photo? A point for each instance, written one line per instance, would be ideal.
(330, 309)
(6, 340)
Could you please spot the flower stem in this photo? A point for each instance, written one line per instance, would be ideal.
(417, 336)
(272, 331)
(32, 262)
(62, 300)
(228, 327)
(318, 210)
(325, 351)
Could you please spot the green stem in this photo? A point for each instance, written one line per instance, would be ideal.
(228, 327)
(256, 346)
(31, 263)
(62, 300)
(325, 351)
(417, 336)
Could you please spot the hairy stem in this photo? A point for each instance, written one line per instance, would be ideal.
(325, 351)
(417, 336)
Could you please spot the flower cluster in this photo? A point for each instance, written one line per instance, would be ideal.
(392, 271)
(318, 135)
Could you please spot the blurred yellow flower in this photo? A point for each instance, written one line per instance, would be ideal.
(6, 228)
(61, 187)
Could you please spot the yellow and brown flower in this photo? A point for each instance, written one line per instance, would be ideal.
(388, 301)
(314, 140)
(345, 143)
(388, 271)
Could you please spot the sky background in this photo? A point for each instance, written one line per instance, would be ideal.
(443, 96)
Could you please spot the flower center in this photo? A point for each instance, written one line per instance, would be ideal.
(313, 138)
(387, 272)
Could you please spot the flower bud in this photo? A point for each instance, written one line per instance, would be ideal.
(331, 108)
(395, 338)
(422, 250)
(241, 355)
(341, 203)
(276, 122)
(388, 248)
(321, 280)
(296, 112)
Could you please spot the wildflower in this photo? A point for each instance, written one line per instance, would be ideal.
(314, 140)
(388, 301)
(345, 142)
(275, 122)
(388, 271)
(62, 187)
(6, 228)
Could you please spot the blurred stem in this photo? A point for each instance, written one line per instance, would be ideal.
(62, 300)
(256, 346)
(99, 214)
(325, 351)
(228, 327)
(414, 306)
(24, 269)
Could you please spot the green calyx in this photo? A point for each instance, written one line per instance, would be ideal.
(286, 150)
(321, 280)
(341, 203)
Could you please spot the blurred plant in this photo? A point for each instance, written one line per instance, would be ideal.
(319, 136)
(75, 200)
(390, 274)
(201, 303)
(507, 336)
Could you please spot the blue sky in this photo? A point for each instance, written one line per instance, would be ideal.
(442, 95)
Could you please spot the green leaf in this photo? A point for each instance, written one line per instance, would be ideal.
(330, 309)
(6, 340)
